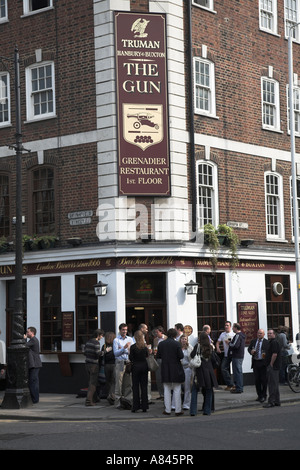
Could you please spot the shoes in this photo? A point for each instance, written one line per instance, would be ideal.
(277, 404)
(159, 398)
(228, 388)
(89, 403)
(236, 391)
(179, 414)
(269, 405)
(166, 413)
(191, 414)
(206, 414)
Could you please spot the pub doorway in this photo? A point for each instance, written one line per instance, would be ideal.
(145, 301)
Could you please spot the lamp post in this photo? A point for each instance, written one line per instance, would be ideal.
(293, 163)
(17, 394)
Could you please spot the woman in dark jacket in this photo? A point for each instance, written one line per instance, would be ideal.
(204, 376)
(137, 355)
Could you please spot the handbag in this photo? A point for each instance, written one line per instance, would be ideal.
(152, 363)
(195, 361)
(215, 359)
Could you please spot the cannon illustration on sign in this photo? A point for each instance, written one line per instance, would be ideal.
(143, 119)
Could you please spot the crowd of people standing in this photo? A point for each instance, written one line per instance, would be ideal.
(124, 359)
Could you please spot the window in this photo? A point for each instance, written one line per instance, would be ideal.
(270, 104)
(274, 206)
(4, 99)
(207, 196)
(209, 4)
(292, 18)
(40, 91)
(298, 205)
(43, 200)
(211, 302)
(3, 10)
(204, 79)
(268, 15)
(279, 306)
(4, 206)
(36, 5)
(51, 318)
(87, 308)
(296, 109)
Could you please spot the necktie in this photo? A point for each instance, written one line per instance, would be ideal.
(257, 349)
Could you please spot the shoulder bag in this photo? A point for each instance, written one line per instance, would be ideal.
(152, 364)
(195, 361)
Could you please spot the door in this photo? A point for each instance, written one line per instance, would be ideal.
(152, 316)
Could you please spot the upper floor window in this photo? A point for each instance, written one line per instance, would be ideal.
(274, 206)
(43, 200)
(207, 193)
(209, 4)
(4, 206)
(204, 79)
(270, 104)
(298, 205)
(40, 91)
(268, 15)
(35, 5)
(292, 18)
(4, 99)
(3, 10)
(296, 91)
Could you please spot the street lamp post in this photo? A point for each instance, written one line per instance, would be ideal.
(17, 394)
(293, 163)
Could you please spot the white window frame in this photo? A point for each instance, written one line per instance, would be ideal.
(291, 17)
(274, 105)
(296, 109)
(208, 4)
(274, 201)
(268, 8)
(210, 88)
(292, 206)
(30, 93)
(211, 192)
(5, 16)
(27, 7)
(5, 96)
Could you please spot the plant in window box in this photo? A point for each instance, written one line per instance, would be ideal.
(211, 239)
(4, 244)
(45, 241)
(27, 242)
(229, 239)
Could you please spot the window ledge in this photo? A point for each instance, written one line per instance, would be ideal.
(31, 121)
(36, 12)
(277, 240)
(272, 130)
(212, 116)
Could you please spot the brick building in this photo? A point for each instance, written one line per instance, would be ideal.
(146, 121)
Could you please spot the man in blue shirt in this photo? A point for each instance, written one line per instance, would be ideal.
(121, 346)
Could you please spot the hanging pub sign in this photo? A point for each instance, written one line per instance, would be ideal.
(142, 109)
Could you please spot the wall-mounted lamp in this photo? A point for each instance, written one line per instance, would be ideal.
(100, 289)
(191, 287)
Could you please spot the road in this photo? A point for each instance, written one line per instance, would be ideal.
(249, 429)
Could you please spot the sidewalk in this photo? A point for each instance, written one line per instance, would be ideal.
(68, 407)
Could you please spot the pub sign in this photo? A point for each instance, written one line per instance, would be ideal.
(142, 109)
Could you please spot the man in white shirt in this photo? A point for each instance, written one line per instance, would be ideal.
(225, 338)
(121, 346)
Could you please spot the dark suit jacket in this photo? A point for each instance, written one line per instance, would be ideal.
(264, 347)
(170, 353)
(34, 360)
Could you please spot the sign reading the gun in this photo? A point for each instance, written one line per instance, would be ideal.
(143, 134)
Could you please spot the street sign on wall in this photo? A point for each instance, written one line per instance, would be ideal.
(142, 109)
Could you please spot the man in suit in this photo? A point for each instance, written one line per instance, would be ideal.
(34, 364)
(172, 373)
(258, 348)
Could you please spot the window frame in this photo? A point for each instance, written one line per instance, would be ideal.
(292, 205)
(296, 111)
(279, 226)
(27, 7)
(54, 311)
(8, 98)
(214, 196)
(210, 6)
(273, 15)
(211, 112)
(5, 17)
(295, 30)
(30, 116)
(276, 105)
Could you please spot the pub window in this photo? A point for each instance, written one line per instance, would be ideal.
(4, 206)
(86, 308)
(204, 78)
(211, 302)
(4, 99)
(207, 192)
(274, 206)
(278, 298)
(298, 205)
(43, 200)
(51, 318)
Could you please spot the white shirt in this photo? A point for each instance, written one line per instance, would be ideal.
(224, 337)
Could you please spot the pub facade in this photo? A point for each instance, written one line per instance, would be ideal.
(146, 123)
